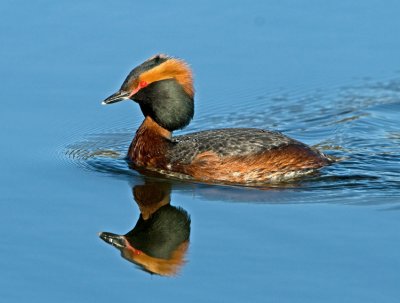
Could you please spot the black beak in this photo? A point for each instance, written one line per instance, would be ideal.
(118, 96)
(113, 239)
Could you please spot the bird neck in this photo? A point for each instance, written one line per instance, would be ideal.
(151, 127)
(150, 143)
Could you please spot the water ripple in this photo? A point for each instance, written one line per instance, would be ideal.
(357, 124)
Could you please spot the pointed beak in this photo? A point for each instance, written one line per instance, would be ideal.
(118, 96)
(113, 239)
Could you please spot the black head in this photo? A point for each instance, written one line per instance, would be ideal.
(163, 87)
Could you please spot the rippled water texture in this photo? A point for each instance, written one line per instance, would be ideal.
(355, 124)
(79, 226)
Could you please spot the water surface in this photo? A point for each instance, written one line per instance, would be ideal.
(325, 74)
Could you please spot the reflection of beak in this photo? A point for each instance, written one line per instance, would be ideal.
(118, 96)
(113, 239)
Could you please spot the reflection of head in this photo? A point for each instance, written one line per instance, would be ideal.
(160, 238)
(160, 243)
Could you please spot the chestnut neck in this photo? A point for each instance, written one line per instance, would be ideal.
(149, 145)
(150, 126)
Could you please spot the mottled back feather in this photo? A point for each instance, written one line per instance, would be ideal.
(225, 143)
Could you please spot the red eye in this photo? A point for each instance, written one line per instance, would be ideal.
(141, 85)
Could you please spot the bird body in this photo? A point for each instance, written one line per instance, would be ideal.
(163, 87)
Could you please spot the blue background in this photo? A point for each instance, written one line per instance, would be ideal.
(270, 64)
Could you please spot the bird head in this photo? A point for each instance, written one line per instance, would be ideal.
(163, 87)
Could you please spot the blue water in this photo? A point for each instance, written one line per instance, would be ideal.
(324, 73)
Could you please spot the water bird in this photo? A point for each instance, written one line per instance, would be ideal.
(163, 88)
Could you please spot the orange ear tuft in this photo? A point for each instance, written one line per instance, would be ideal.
(171, 69)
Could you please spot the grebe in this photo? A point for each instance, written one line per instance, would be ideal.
(163, 88)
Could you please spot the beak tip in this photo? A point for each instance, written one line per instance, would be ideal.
(118, 96)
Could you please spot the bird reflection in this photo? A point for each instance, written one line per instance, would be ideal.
(159, 241)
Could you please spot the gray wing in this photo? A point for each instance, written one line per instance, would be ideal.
(226, 142)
